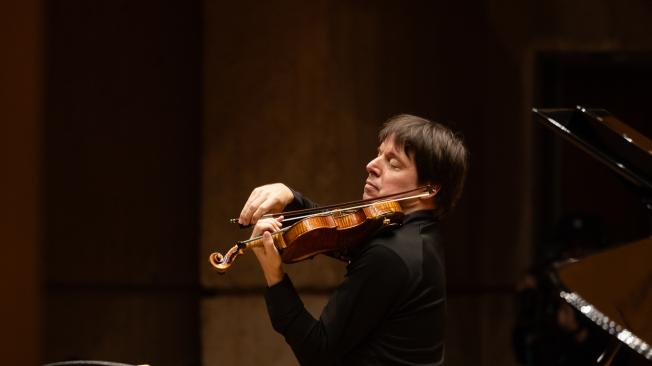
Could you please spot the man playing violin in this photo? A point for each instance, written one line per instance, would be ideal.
(390, 307)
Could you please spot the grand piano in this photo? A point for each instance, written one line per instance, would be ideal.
(612, 288)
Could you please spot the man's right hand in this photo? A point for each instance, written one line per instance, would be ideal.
(265, 199)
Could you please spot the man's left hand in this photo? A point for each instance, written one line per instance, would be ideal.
(267, 255)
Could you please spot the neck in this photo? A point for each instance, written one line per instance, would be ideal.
(414, 205)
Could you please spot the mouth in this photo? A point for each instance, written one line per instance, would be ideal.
(370, 187)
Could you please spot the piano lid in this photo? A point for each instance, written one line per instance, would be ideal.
(614, 289)
(603, 136)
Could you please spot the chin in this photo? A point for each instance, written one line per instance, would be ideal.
(368, 196)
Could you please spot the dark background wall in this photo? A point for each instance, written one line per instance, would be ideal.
(121, 170)
(21, 88)
(153, 121)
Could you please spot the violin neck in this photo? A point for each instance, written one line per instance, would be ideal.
(257, 242)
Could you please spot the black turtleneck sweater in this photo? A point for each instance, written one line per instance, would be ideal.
(388, 310)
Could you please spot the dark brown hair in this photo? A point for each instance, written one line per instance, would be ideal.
(439, 155)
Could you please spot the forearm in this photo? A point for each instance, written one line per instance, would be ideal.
(305, 334)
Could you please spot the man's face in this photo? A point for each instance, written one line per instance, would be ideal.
(392, 171)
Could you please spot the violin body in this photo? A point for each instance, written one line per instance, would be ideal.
(334, 233)
(338, 231)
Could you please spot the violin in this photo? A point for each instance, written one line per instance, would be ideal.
(333, 230)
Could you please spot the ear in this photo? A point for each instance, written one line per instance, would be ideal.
(433, 189)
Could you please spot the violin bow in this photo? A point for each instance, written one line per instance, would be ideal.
(300, 214)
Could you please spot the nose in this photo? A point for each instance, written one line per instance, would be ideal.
(373, 168)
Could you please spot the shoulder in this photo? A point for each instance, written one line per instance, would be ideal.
(377, 258)
(396, 240)
(405, 245)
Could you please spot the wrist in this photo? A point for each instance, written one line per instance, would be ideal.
(288, 195)
(274, 277)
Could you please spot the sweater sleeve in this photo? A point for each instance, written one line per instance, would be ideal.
(299, 202)
(357, 307)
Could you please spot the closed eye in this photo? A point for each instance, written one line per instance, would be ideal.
(394, 164)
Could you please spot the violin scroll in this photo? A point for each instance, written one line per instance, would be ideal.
(223, 262)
